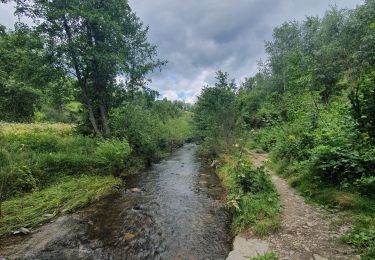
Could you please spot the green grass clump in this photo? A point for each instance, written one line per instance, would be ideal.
(34, 156)
(266, 256)
(72, 193)
(252, 195)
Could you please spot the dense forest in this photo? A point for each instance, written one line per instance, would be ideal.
(76, 111)
(311, 106)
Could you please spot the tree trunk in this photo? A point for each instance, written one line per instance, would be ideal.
(90, 109)
(82, 82)
(103, 114)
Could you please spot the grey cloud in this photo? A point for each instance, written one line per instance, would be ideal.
(198, 37)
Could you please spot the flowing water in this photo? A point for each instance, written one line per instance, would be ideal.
(178, 214)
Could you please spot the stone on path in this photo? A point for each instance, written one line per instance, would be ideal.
(318, 257)
(245, 248)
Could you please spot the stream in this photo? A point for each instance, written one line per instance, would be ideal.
(175, 212)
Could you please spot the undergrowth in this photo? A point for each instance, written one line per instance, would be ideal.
(251, 194)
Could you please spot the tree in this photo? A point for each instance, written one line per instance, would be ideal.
(96, 41)
(214, 115)
(25, 72)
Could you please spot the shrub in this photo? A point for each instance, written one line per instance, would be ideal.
(112, 155)
(252, 195)
(250, 179)
(139, 127)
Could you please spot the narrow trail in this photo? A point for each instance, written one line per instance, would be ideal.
(306, 232)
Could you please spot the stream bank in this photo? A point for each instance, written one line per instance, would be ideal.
(173, 210)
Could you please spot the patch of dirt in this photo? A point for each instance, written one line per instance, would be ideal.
(306, 232)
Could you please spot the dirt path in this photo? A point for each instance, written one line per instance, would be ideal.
(307, 232)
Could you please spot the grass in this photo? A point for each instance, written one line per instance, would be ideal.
(251, 194)
(49, 169)
(34, 156)
(20, 128)
(35, 208)
(266, 256)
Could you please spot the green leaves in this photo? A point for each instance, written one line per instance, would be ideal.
(215, 114)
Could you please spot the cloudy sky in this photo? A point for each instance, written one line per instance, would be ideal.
(199, 37)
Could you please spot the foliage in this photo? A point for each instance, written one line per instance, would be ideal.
(98, 41)
(43, 154)
(24, 71)
(153, 129)
(252, 196)
(214, 115)
(311, 105)
(251, 180)
(112, 154)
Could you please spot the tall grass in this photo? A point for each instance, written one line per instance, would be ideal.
(251, 195)
(43, 154)
(40, 206)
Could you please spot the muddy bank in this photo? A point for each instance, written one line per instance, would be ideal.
(174, 212)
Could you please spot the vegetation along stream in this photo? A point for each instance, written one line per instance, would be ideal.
(172, 210)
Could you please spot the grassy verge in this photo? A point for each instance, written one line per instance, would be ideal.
(35, 156)
(35, 208)
(49, 169)
(251, 194)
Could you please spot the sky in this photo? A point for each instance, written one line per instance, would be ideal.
(200, 37)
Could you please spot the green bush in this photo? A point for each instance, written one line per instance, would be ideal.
(250, 179)
(139, 127)
(147, 132)
(112, 155)
(252, 195)
(363, 239)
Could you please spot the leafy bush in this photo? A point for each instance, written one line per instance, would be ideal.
(112, 155)
(266, 256)
(363, 239)
(366, 185)
(139, 127)
(252, 195)
(250, 179)
(147, 133)
(341, 154)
